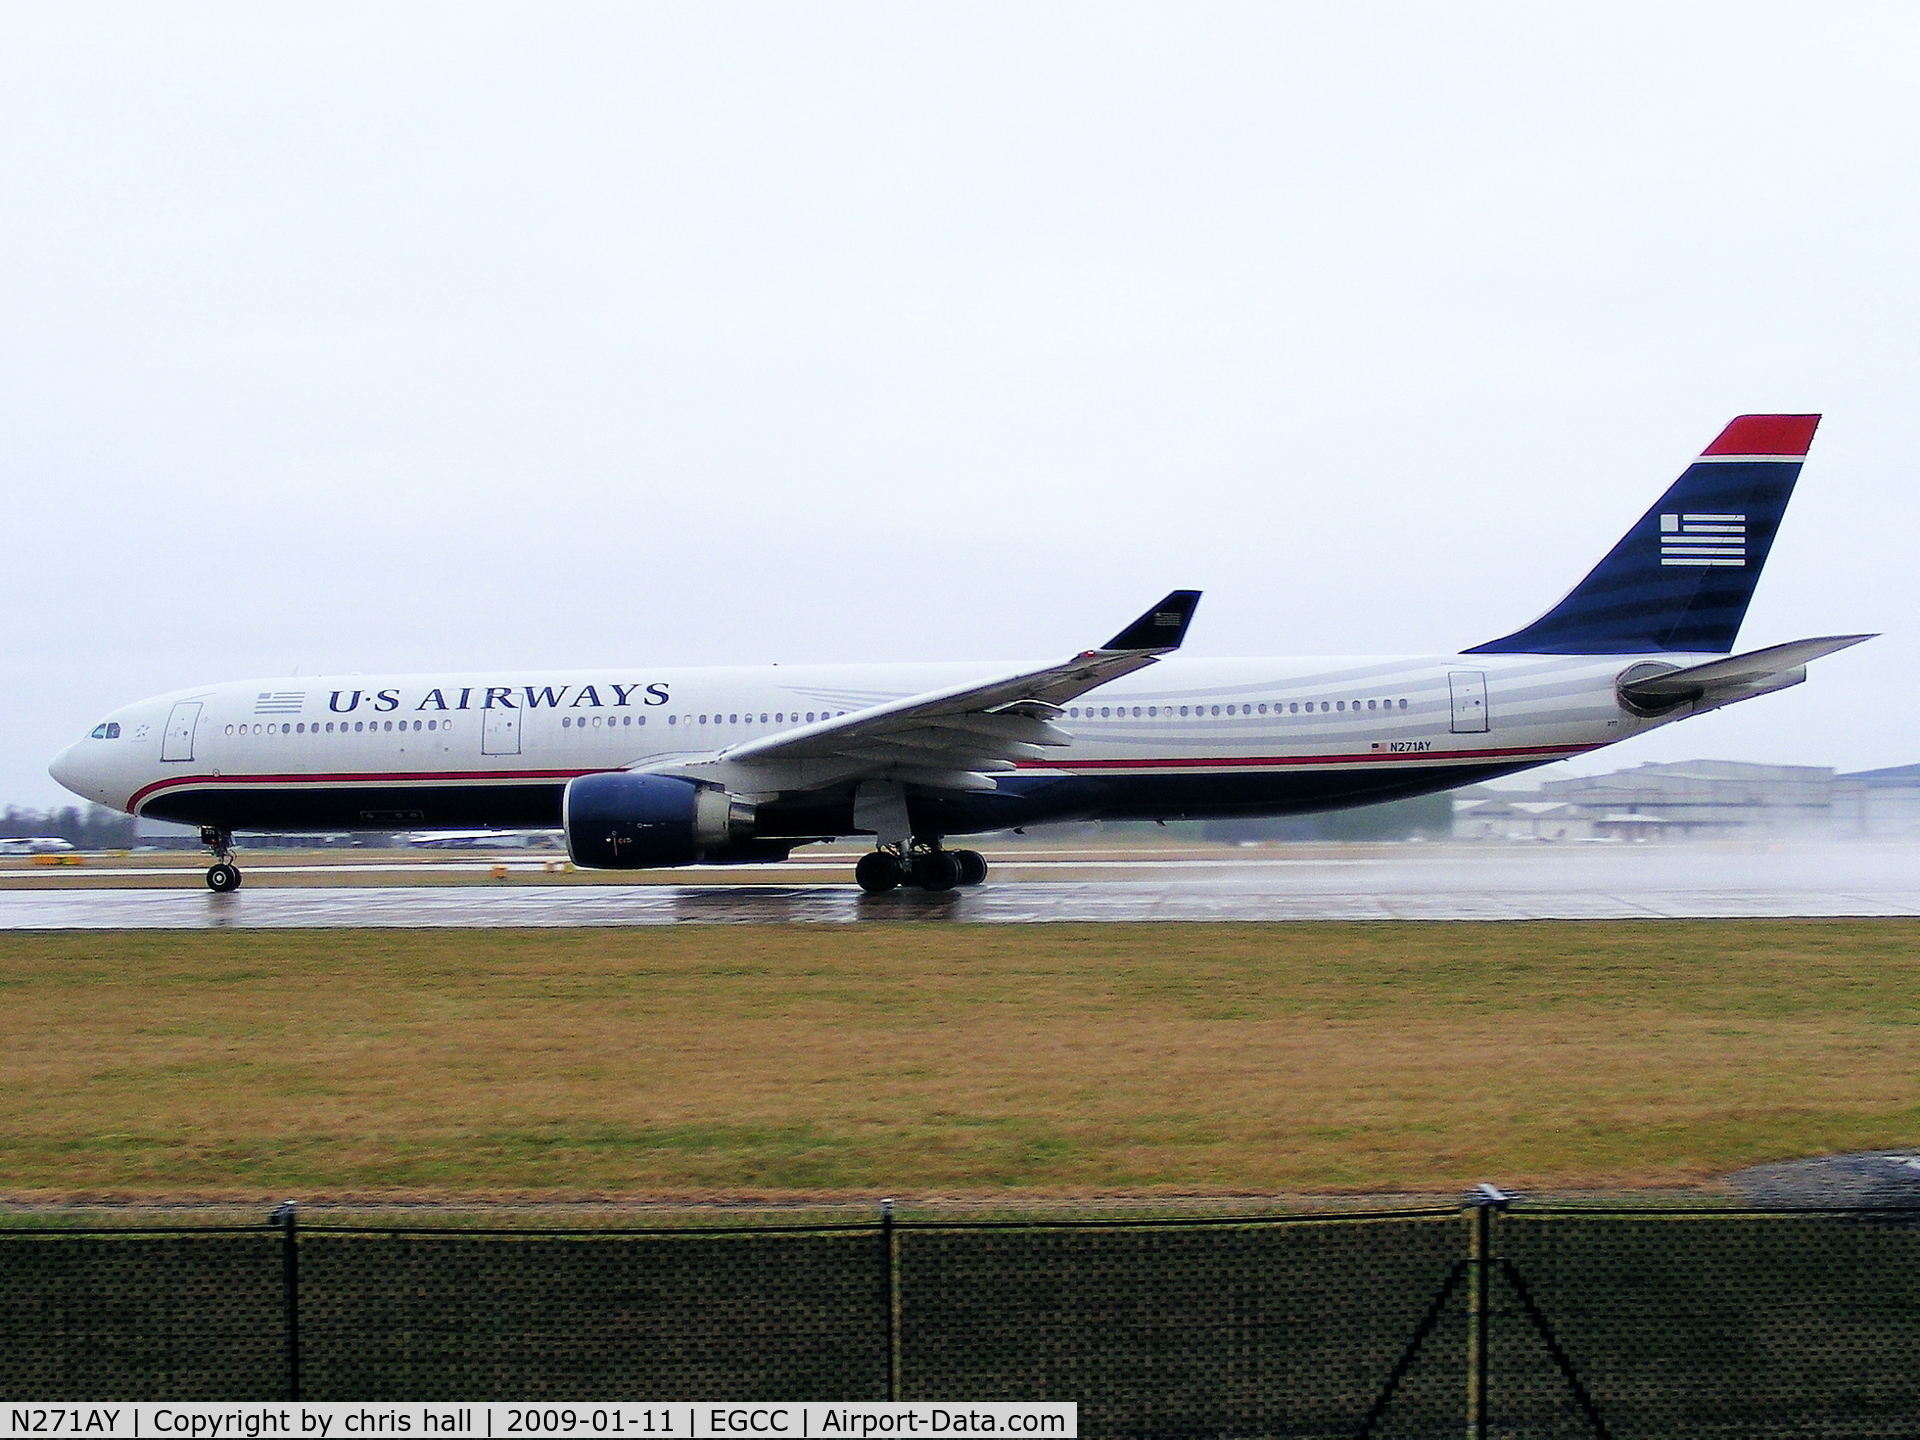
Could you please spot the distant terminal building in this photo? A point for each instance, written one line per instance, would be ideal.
(1878, 804)
(1698, 800)
(1482, 813)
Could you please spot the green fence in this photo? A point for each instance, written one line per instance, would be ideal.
(1526, 1322)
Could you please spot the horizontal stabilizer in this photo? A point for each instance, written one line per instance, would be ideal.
(1734, 678)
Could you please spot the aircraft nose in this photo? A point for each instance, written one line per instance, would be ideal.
(71, 771)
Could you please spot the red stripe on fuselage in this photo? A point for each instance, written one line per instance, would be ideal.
(1244, 762)
(377, 779)
(348, 780)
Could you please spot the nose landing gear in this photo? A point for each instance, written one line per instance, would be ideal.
(223, 875)
(922, 863)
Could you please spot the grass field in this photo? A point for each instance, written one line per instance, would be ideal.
(925, 1060)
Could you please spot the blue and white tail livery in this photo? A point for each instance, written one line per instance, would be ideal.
(1680, 580)
(647, 766)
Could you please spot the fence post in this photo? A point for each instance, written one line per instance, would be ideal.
(1485, 1200)
(287, 1217)
(890, 1274)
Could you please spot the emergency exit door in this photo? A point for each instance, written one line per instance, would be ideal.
(177, 743)
(1469, 689)
(500, 732)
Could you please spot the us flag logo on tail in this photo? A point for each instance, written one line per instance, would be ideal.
(1703, 539)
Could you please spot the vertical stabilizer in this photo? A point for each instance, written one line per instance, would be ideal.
(1682, 577)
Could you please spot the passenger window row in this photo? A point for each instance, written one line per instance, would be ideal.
(1203, 712)
(779, 717)
(1089, 712)
(112, 731)
(303, 728)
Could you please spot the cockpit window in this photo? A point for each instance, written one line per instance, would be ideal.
(108, 731)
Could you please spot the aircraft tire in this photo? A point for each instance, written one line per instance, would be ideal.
(223, 878)
(973, 866)
(878, 872)
(936, 870)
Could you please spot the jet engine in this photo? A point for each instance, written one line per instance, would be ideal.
(619, 821)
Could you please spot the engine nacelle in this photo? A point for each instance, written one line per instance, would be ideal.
(618, 821)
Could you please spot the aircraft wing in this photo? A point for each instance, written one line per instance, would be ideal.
(952, 739)
(1738, 677)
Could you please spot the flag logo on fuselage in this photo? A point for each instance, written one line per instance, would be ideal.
(1703, 539)
(279, 702)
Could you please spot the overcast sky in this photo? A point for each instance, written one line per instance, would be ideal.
(357, 338)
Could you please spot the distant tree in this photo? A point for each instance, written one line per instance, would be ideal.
(1429, 817)
(95, 828)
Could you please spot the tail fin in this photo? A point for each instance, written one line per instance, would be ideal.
(1682, 577)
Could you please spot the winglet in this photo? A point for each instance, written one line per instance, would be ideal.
(1161, 628)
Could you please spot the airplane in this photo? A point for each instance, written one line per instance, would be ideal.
(15, 845)
(645, 767)
(473, 840)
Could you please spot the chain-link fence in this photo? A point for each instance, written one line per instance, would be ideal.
(1534, 1321)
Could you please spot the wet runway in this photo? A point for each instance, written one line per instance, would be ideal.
(1442, 882)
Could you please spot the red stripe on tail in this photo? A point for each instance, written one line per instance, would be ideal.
(1784, 435)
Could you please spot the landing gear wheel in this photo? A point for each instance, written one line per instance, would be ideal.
(878, 872)
(224, 875)
(973, 866)
(936, 870)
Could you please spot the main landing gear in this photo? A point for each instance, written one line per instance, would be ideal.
(921, 863)
(223, 875)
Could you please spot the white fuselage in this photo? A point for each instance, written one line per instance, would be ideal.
(1182, 737)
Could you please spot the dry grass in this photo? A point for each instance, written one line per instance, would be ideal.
(921, 1060)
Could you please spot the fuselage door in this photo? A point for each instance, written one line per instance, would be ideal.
(177, 744)
(1469, 689)
(499, 732)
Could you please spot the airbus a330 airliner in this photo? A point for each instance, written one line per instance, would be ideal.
(644, 767)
